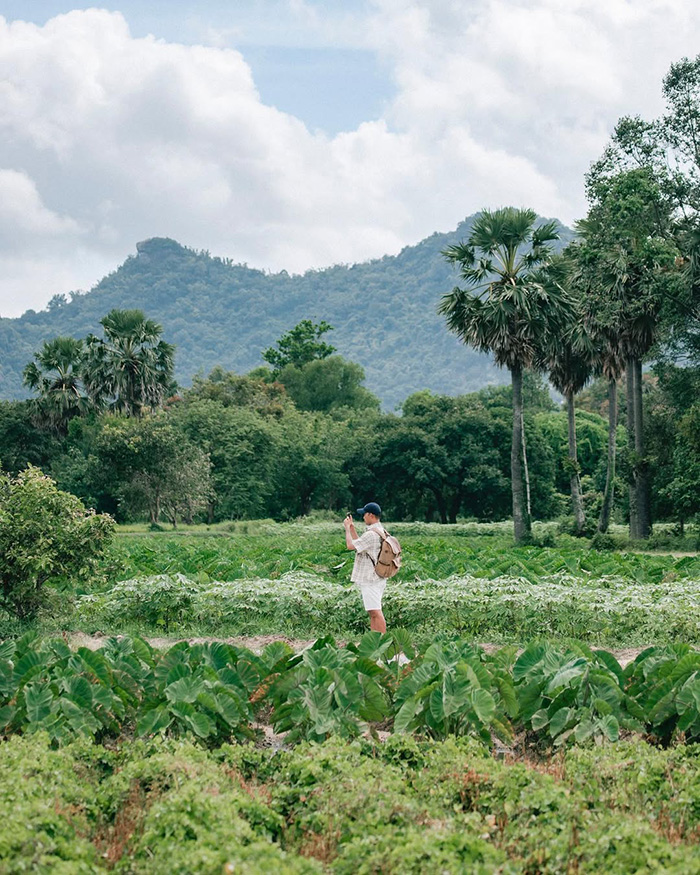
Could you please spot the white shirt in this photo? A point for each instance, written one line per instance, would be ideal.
(367, 548)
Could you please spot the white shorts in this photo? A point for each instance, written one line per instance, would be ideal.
(372, 595)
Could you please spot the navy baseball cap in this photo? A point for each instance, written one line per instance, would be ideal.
(370, 507)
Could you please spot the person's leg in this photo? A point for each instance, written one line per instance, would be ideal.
(376, 621)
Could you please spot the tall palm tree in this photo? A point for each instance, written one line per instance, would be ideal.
(55, 374)
(130, 370)
(509, 308)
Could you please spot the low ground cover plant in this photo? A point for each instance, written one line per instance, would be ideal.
(605, 611)
(167, 805)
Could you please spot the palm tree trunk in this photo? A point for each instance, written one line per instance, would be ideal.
(641, 472)
(526, 470)
(630, 378)
(576, 499)
(521, 520)
(606, 509)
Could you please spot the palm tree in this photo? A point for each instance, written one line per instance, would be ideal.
(511, 306)
(55, 376)
(131, 370)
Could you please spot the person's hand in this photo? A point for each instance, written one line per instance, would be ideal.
(347, 522)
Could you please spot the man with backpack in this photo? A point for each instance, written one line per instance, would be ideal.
(377, 556)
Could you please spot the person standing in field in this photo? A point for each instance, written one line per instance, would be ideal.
(364, 575)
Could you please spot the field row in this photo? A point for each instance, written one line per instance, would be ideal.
(555, 695)
(608, 611)
(277, 550)
(159, 806)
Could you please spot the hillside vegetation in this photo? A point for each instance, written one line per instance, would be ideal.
(216, 312)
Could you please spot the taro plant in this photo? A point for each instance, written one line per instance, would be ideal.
(207, 689)
(573, 694)
(456, 689)
(665, 684)
(47, 687)
(329, 690)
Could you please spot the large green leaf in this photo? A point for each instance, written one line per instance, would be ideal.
(484, 705)
(195, 720)
(154, 720)
(38, 700)
(184, 689)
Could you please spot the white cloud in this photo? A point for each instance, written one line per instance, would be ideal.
(106, 139)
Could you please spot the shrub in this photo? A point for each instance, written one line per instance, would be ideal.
(46, 536)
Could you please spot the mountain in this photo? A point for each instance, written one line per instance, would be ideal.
(384, 313)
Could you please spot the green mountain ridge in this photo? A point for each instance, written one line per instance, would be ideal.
(384, 313)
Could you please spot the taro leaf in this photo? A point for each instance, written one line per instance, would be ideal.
(601, 707)
(402, 643)
(143, 651)
(226, 705)
(7, 683)
(184, 690)
(368, 667)
(59, 648)
(79, 691)
(38, 699)
(608, 660)
(218, 654)
(539, 719)
(507, 692)
(79, 719)
(347, 690)
(483, 704)
(274, 653)
(198, 722)
(154, 720)
(560, 720)
(7, 649)
(374, 704)
(29, 665)
(529, 661)
(610, 727)
(318, 701)
(566, 674)
(179, 670)
(404, 721)
(249, 674)
(7, 713)
(584, 730)
(107, 700)
(685, 666)
(374, 645)
(96, 664)
(689, 697)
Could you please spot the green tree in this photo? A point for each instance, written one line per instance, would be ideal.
(46, 537)
(21, 442)
(510, 307)
(130, 370)
(55, 374)
(242, 445)
(299, 346)
(633, 262)
(327, 385)
(152, 467)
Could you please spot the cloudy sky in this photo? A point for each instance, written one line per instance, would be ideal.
(296, 134)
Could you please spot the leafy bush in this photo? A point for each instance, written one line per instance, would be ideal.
(46, 536)
(456, 689)
(328, 690)
(572, 694)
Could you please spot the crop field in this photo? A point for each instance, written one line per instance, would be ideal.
(143, 734)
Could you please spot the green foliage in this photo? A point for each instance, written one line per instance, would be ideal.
(46, 537)
(299, 347)
(455, 690)
(573, 694)
(328, 690)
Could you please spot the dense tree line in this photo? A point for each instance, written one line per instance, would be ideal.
(305, 433)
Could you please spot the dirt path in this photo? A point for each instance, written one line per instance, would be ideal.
(259, 642)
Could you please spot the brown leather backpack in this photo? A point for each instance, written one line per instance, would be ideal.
(389, 559)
